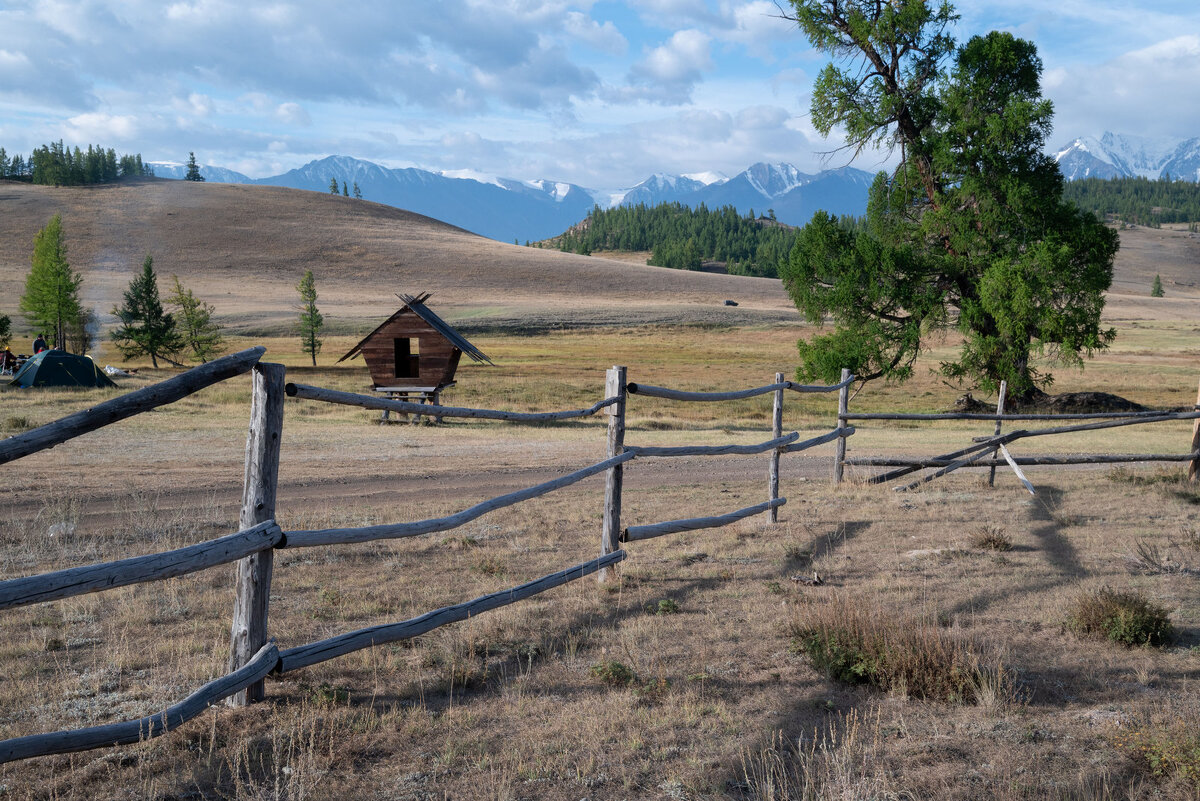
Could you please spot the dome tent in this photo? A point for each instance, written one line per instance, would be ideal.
(57, 368)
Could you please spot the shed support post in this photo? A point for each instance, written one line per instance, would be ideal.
(996, 433)
(249, 629)
(1194, 465)
(776, 433)
(614, 387)
(839, 454)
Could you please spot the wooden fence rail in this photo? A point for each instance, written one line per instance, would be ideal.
(252, 655)
(133, 403)
(404, 407)
(343, 536)
(681, 395)
(634, 533)
(133, 731)
(138, 569)
(324, 650)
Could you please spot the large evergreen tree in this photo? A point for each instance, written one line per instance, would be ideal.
(201, 335)
(145, 328)
(970, 231)
(311, 320)
(51, 299)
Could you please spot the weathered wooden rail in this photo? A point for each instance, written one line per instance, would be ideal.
(253, 656)
(988, 449)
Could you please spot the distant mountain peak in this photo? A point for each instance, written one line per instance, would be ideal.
(1127, 155)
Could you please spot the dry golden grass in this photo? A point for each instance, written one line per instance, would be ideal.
(507, 705)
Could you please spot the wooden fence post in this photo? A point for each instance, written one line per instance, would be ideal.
(249, 630)
(1194, 465)
(996, 433)
(614, 387)
(776, 433)
(839, 455)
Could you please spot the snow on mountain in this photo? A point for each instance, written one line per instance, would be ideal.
(220, 175)
(1126, 155)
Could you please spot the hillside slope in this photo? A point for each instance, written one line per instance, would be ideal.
(244, 249)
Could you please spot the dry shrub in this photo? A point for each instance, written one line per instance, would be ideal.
(991, 538)
(1127, 618)
(1171, 752)
(854, 641)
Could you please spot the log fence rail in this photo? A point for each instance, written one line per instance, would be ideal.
(253, 655)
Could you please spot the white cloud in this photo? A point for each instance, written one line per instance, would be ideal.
(293, 114)
(99, 127)
(605, 38)
(668, 72)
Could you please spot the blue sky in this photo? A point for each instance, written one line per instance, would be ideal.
(596, 93)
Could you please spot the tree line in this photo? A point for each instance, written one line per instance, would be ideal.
(52, 308)
(682, 237)
(1140, 201)
(57, 165)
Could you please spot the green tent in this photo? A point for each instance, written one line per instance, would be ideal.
(57, 368)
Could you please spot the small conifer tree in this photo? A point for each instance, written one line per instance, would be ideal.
(333, 189)
(193, 169)
(311, 320)
(1156, 290)
(200, 334)
(145, 328)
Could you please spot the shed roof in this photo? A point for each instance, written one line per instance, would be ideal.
(417, 305)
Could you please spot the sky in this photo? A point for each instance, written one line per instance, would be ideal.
(602, 94)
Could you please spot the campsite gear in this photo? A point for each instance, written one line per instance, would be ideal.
(57, 368)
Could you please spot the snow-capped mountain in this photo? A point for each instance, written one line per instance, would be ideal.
(220, 175)
(1126, 156)
(507, 209)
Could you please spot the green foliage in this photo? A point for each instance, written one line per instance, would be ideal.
(1166, 752)
(145, 328)
(57, 165)
(682, 238)
(665, 606)
(1127, 618)
(51, 299)
(1140, 201)
(357, 191)
(614, 673)
(311, 320)
(200, 334)
(193, 169)
(5, 331)
(970, 231)
(333, 187)
(1156, 288)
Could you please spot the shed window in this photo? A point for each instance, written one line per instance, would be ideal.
(408, 357)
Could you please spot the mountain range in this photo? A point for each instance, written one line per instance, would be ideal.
(511, 210)
(1126, 156)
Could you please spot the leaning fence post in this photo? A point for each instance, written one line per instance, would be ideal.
(839, 454)
(996, 433)
(614, 387)
(249, 630)
(1194, 465)
(776, 433)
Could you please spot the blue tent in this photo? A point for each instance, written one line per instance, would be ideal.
(57, 368)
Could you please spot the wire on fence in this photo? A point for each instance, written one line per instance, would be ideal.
(404, 407)
(133, 731)
(323, 650)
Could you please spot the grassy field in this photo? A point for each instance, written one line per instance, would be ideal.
(682, 680)
(705, 672)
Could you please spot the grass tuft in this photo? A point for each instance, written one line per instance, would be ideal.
(614, 673)
(855, 642)
(1127, 618)
(991, 538)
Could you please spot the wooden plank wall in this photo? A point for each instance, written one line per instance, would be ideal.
(438, 358)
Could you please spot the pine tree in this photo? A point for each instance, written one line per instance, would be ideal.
(145, 327)
(51, 299)
(5, 330)
(357, 191)
(310, 318)
(193, 169)
(200, 334)
(345, 191)
(333, 188)
(1156, 290)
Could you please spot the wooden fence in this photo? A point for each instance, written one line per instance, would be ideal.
(253, 656)
(988, 450)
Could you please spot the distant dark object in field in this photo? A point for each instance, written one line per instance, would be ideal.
(731, 303)
(1066, 403)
